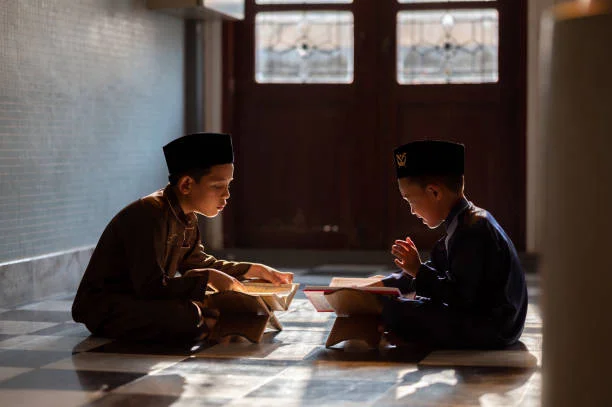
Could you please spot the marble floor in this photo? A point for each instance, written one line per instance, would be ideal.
(48, 360)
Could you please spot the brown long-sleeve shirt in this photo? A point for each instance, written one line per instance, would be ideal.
(140, 255)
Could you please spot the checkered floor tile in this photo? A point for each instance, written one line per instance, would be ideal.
(46, 359)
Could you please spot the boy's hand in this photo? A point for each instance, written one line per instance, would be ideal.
(407, 256)
(263, 272)
(224, 282)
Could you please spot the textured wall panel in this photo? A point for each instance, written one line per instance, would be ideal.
(89, 92)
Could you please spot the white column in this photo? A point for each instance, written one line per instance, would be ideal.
(576, 190)
(534, 155)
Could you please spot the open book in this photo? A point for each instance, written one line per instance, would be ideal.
(276, 297)
(353, 282)
(358, 308)
(316, 293)
(248, 313)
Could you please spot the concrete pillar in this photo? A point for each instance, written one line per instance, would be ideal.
(204, 97)
(534, 156)
(213, 94)
(576, 189)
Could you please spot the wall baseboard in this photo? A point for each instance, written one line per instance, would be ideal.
(42, 277)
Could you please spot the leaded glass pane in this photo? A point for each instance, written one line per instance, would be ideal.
(304, 47)
(303, 1)
(450, 46)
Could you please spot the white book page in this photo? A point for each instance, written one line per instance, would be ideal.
(353, 282)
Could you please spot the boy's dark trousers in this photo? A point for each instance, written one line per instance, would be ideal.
(435, 324)
(149, 320)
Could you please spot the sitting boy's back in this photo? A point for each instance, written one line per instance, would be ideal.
(482, 276)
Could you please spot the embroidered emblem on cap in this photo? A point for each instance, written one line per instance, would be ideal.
(401, 159)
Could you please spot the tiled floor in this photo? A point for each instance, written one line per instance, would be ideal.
(48, 360)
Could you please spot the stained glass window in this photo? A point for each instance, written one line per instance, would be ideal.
(447, 46)
(304, 47)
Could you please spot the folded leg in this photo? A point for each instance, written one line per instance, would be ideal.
(140, 320)
(437, 325)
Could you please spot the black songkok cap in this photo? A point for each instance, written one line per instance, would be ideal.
(428, 157)
(198, 150)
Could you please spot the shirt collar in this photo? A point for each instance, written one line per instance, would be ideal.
(451, 220)
(459, 207)
(175, 207)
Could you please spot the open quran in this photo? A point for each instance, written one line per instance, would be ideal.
(277, 297)
(318, 295)
(248, 313)
(358, 308)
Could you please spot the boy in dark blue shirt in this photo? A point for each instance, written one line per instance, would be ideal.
(472, 292)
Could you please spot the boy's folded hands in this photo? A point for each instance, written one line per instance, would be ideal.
(406, 256)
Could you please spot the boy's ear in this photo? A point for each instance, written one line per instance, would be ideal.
(435, 191)
(185, 183)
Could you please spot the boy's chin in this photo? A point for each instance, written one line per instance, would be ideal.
(208, 214)
(434, 226)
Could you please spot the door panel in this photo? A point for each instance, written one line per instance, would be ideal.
(296, 174)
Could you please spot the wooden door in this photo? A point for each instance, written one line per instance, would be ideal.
(303, 171)
(314, 166)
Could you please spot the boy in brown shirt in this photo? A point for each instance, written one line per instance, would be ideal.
(147, 277)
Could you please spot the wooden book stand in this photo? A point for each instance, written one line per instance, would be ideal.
(357, 316)
(248, 314)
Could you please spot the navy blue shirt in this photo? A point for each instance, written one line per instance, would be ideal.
(473, 271)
